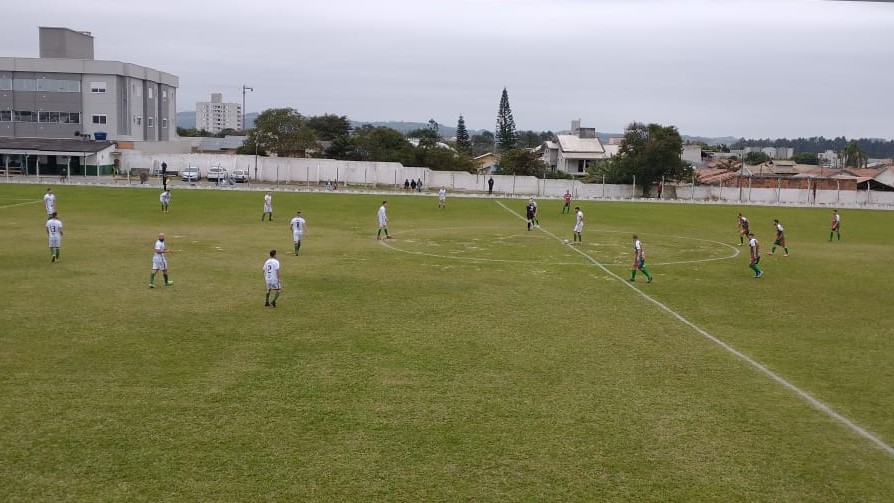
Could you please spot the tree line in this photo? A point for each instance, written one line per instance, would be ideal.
(874, 148)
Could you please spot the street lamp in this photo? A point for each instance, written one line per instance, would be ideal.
(244, 88)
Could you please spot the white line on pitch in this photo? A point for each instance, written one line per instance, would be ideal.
(742, 356)
(21, 204)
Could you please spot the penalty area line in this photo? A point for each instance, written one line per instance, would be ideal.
(817, 404)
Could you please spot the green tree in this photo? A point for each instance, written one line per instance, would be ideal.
(428, 137)
(463, 140)
(283, 131)
(483, 143)
(755, 158)
(806, 158)
(506, 136)
(329, 126)
(854, 156)
(650, 152)
(521, 161)
(192, 132)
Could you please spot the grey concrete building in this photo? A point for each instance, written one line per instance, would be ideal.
(66, 93)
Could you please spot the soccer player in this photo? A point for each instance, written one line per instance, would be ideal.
(639, 260)
(566, 208)
(530, 212)
(165, 199)
(268, 207)
(578, 226)
(780, 239)
(536, 213)
(382, 216)
(271, 277)
(160, 262)
(54, 234)
(743, 229)
(836, 225)
(755, 255)
(442, 197)
(49, 202)
(298, 225)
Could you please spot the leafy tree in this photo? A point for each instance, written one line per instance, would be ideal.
(433, 125)
(192, 132)
(521, 161)
(283, 131)
(329, 126)
(755, 158)
(806, 158)
(483, 143)
(854, 156)
(463, 140)
(505, 132)
(650, 152)
(427, 137)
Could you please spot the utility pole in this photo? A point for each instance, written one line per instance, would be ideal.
(244, 88)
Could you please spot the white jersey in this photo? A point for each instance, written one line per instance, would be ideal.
(383, 217)
(268, 203)
(638, 250)
(49, 202)
(297, 224)
(271, 272)
(158, 259)
(579, 226)
(442, 195)
(54, 232)
(165, 197)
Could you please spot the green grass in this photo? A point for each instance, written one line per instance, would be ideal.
(467, 359)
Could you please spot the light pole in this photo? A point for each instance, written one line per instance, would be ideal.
(246, 88)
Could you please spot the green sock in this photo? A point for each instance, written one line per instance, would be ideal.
(57, 253)
(741, 240)
(773, 250)
(152, 278)
(831, 234)
(267, 297)
(785, 250)
(648, 276)
(633, 274)
(379, 232)
(275, 295)
(296, 248)
(166, 277)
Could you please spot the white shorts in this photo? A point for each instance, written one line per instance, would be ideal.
(273, 285)
(297, 236)
(55, 241)
(268, 209)
(159, 262)
(578, 228)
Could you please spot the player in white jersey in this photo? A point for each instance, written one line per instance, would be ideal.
(578, 226)
(165, 199)
(54, 234)
(382, 216)
(159, 261)
(49, 203)
(268, 207)
(298, 226)
(836, 225)
(442, 197)
(639, 260)
(272, 278)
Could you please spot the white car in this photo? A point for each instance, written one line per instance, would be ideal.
(240, 175)
(190, 174)
(217, 174)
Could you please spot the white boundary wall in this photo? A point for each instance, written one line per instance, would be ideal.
(316, 172)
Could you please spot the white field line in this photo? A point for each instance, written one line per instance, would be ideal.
(738, 354)
(21, 204)
(509, 261)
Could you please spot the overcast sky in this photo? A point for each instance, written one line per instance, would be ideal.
(755, 69)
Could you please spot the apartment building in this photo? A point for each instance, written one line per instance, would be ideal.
(214, 116)
(66, 93)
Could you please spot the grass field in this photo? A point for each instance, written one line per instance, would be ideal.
(465, 360)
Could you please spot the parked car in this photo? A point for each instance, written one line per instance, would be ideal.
(217, 174)
(240, 175)
(191, 174)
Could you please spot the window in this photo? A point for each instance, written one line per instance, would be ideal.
(149, 93)
(582, 165)
(137, 90)
(164, 122)
(150, 121)
(24, 116)
(164, 94)
(98, 87)
(5, 115)
(99, 119)
(70, 117)
(138, 120)
(5, 83)
(51, 117)
(24, 85)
